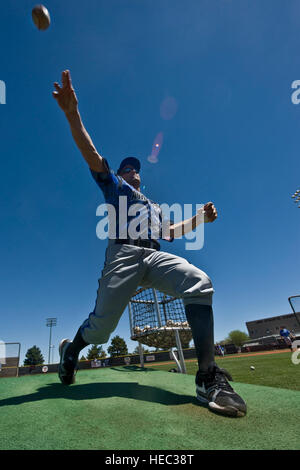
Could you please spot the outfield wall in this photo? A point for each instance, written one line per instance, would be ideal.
(134, 359)
(129, 359)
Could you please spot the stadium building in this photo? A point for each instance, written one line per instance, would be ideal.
(271, 326)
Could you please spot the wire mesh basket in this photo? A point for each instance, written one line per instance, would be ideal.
(154, 318)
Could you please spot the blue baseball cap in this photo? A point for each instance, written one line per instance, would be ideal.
(130, 161)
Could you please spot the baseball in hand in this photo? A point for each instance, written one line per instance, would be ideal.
(41, 17)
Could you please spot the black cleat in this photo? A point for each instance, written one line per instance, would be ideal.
(213, 389)
(68, 363)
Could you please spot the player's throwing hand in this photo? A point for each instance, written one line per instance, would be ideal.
(65, 95)
(210, 212)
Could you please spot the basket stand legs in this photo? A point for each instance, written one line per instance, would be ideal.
(141, 355)
(180, 352)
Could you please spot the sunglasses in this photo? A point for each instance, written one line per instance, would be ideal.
(128, 170)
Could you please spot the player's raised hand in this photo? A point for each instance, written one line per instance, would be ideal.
(65, 94)
(210, 212)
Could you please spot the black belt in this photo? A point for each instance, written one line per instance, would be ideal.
(153, 244)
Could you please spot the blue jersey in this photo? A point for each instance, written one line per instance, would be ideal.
(284, 332)
(131, 207)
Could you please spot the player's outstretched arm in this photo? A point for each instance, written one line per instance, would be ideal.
(207, 214)
(66, 98)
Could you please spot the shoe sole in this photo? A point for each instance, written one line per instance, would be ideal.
(226, 411)
(65, 380)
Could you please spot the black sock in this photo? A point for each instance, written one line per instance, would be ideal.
(201, 321)
(77, 344)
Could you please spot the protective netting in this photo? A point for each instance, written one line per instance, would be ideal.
(155, 317)
(9, 359)
(295, 304)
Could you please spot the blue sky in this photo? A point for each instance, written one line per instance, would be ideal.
(232, 138)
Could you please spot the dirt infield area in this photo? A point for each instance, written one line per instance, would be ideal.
(262, 353)
(232, 356)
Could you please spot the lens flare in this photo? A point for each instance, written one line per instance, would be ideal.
(168, 108)
(156, 147)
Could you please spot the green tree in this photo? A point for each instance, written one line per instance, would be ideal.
(102, 354)
(137, 351)
(34, 357)
(96, 352)
(237, 337)
(118, 347)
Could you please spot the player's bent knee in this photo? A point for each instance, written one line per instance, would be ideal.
(199, 289)
(201, 281)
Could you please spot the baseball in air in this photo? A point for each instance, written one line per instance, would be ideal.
(41, 17)
(252, 367)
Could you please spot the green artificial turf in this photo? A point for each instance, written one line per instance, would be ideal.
(126, 408)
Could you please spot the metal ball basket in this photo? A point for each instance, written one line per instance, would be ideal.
(158, 320)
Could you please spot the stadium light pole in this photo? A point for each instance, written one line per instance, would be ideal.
(50, 322)
(52, 347)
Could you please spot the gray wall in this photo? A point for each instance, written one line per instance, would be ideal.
(271, 326)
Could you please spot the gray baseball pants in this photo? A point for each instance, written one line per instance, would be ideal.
(126, 268)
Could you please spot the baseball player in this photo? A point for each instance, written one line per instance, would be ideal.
(131, 262)
(287, 336)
